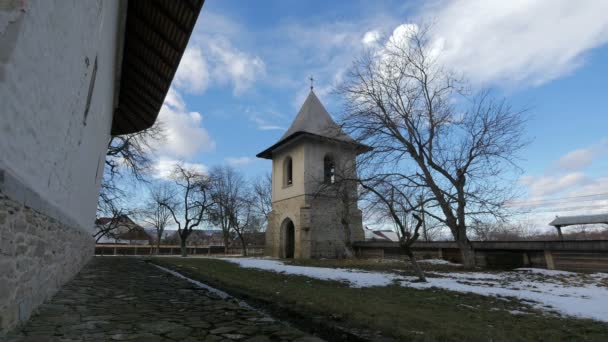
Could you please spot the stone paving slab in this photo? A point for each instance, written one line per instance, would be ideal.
(126, 299)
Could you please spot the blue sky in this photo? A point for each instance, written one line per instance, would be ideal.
(245, 74)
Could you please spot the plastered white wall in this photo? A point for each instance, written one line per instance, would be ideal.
(279, 190)
(307, 166)
(47, 60)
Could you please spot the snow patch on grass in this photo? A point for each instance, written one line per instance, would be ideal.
(579, 295)
(438, 262)
(546, 272)
(355, 278)
(517, 312)
(472, 276)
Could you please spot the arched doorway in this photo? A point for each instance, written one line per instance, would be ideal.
(289, 238)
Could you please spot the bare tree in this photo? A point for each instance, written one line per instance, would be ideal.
(114, 224)
(502, 231)
(193, 190)
(110, 198)
(402, 211)
(226, 183)
(157, 214)
(430, 228)
(128, 156)
(427, 132)
(242, 217)
(236, 205)
(133, 152)
(262, 195)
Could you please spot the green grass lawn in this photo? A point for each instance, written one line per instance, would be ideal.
(378, 265)
(400, 312)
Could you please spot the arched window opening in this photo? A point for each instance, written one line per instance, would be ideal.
(287, 172)
(329, 170)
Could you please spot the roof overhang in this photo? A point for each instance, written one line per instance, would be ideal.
(267, 153)
(562, 221)
(156, 35)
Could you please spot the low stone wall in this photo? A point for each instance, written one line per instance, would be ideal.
(38, 254)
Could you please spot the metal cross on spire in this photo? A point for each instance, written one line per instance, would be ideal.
(311, 80)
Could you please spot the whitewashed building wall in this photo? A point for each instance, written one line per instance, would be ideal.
(58, 69)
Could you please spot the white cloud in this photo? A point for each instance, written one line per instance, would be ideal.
(517, 41)
(185, 135)
(598, 185)
(266, 121)
(565, 190)
(323, 49)
(193, 73)
(239, 161)
(582, 157)
(271, 128)
(401, 34)
(216, 56)
(164, 167)
(588, 197)
(576, 159)
(231, 65)
(370, 37)
(175, 100)
(540, 186)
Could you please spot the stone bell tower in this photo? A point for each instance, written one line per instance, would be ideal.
(309, 205)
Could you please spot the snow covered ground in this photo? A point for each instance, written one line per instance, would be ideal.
(356, 278)
(438, 262)
(568, 293)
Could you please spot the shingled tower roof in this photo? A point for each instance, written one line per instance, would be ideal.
(313, 121)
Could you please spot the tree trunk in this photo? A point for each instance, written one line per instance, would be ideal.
(414, 263)
(183, 247)
(465, 246)
(157, 252)
(467, 252)
(348, 243)
(348, 251)
(226, 242)
(243, 244)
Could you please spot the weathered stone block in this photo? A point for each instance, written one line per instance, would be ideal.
(29, 271)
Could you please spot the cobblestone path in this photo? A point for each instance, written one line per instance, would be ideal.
(126, 299)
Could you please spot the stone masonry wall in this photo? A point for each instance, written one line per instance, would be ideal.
(38, 254)
(318, 228)
(327, 234)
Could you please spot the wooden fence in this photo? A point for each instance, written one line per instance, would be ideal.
(572, 255)
(111, 249)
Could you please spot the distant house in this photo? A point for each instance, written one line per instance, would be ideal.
(252, 239)
(215, 237)
(211, 237)
(121, 230)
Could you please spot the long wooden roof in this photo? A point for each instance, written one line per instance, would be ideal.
(156, 35)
